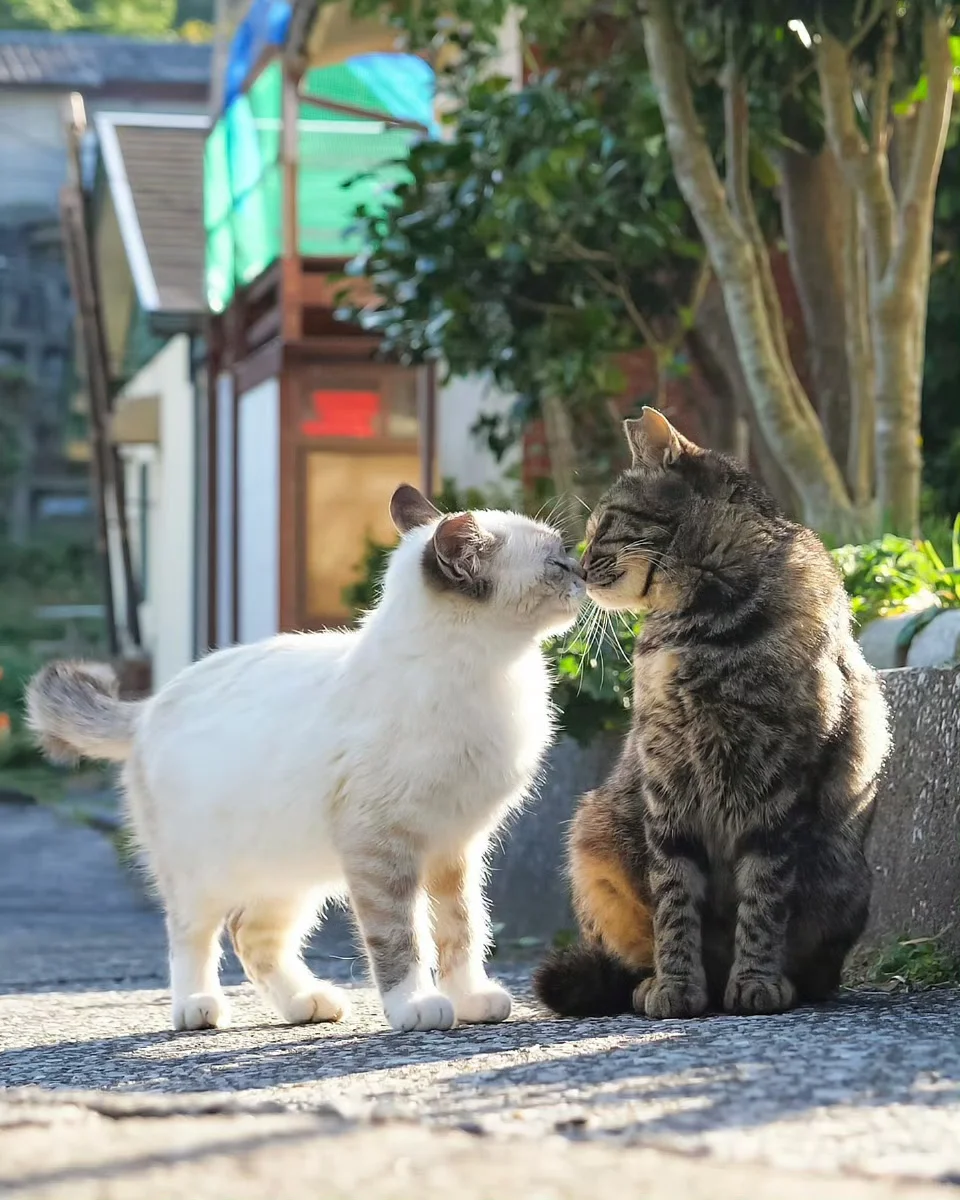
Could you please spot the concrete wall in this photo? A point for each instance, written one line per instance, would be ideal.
(915, 841)
(914, 846)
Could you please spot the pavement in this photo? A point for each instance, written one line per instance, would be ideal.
(98, 1098)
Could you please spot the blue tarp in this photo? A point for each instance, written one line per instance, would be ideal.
(406, 85)
(265, 26)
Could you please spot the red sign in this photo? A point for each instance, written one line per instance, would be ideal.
(342, 414)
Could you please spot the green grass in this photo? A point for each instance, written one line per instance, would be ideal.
(45, 784)
(908, 965)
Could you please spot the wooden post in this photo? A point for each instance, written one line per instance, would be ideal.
(291, 287)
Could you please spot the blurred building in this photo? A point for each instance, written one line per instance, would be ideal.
(38, 74)
(246, 439)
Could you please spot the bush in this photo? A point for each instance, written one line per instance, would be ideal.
(894, 574)
(594, 673)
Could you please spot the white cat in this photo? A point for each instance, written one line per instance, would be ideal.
(375, 764)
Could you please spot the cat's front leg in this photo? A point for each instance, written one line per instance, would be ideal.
(462, 934)
(678, 884)
(389, 902)
(764, 880)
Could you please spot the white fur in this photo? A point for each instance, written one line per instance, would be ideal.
(257, 773)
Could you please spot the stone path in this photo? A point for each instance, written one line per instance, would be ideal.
(102, 1100)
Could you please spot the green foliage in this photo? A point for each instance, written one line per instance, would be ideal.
(130, 18)
(522, 245)
(914, 964)
(363, 594)
(594, 672)
(894, 574)
(17, 747)
(940, 411)
(15, 396)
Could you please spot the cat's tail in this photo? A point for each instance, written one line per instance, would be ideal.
(587, 981)
(74, 710)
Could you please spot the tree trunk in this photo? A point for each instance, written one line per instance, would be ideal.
(563, 455)
(860, 465)
(784, 413)
(715, 352)
(898, 228)
(813, 204)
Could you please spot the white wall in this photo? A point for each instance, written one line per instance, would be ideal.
(258, 503)
(224, 511)
(461, 456)
(168, 612)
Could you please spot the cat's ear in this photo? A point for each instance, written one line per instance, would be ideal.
(410, 508)
(653, 441)
(458, 542)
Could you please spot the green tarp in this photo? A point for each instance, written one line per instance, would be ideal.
(243, 183)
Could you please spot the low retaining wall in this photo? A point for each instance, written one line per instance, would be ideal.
(914, 846)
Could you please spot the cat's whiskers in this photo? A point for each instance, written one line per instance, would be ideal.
(612, 631)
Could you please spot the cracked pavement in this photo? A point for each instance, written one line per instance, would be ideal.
(101, 1099)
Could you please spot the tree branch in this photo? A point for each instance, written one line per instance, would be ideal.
(701, 283)
(865, 167)
(882, 82)
(859, 360)
(736, 114)
(923, 169)
(877, 9)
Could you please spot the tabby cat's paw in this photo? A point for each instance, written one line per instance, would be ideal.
(754, 994)
(671, 996)
(486, 1006)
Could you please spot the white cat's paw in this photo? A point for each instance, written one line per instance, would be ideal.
(428, 1010)
(201, 1011)
(322, 1003)
(486, 1006)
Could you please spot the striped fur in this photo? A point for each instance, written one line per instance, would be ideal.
(734, 821)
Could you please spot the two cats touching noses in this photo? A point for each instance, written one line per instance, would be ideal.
(720, 867)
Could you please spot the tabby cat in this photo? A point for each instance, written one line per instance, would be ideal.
(721, 865)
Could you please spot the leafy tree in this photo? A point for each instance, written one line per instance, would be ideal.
(511, 252)
(857, 98)
(131, 18)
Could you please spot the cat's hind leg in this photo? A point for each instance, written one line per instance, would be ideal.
(198, 999)
(268, 937)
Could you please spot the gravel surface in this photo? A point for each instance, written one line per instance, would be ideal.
(101, 1097)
